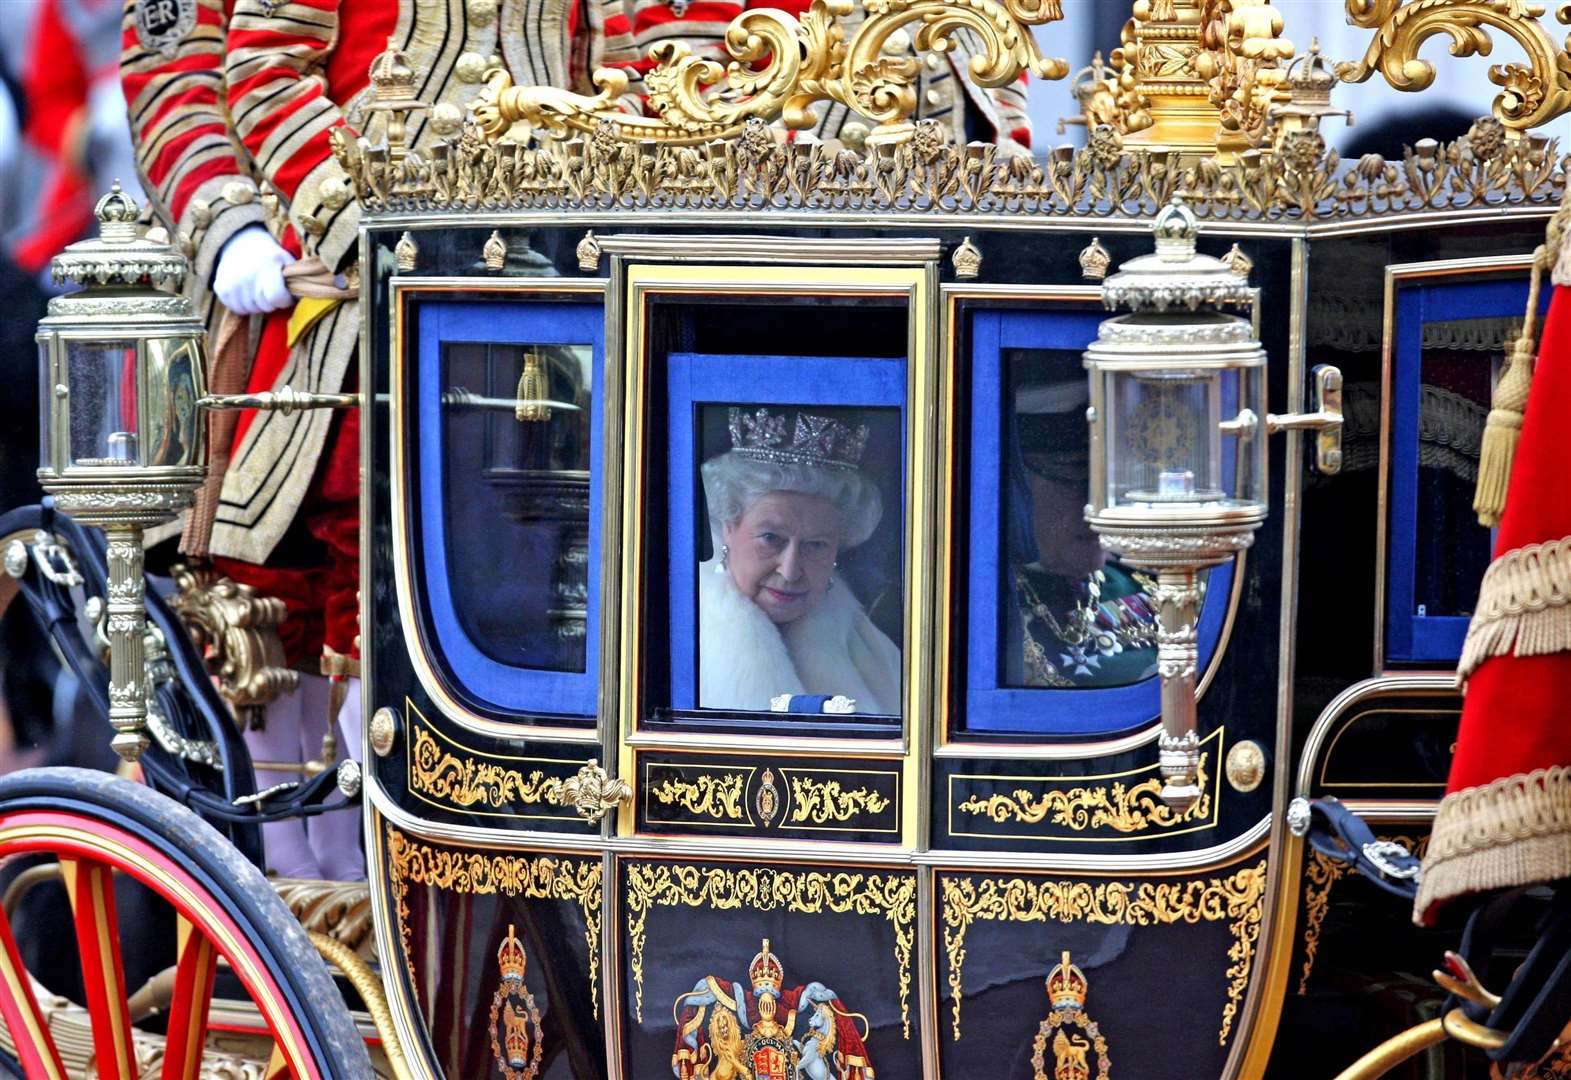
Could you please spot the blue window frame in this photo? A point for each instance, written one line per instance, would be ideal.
(991, 705)
(476, 667)
(695, 380)
(1437, 551)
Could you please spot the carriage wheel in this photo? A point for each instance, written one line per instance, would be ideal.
(99, 827)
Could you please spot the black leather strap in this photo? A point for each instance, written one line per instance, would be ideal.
(1338, 833)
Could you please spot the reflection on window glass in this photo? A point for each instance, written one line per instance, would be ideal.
(1460, 360)
(801, 595)
(516, 479)
(1071, 617)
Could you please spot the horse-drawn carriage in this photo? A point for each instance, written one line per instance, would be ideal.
(749, 689)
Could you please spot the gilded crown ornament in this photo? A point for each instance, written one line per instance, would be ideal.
(766, 971)
(1066, 985)
(1075, 1041)
(1094, 260)
(814, 440)
(511, 959)
(967, 260)
(516, 1037)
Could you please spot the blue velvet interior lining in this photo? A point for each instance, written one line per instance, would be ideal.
(501, 686)
(696, 379)
(990, 707)
(1410, 637)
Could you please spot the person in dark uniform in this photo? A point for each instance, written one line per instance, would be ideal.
(1074, 619)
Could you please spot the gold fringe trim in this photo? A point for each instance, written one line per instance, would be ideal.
(1524, 606)
(1514, 831)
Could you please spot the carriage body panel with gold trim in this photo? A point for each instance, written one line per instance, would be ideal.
(746, 694)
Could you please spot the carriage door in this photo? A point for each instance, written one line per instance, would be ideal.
(768, 658)
(487, 461)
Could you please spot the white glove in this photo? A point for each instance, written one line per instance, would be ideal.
(250, 275)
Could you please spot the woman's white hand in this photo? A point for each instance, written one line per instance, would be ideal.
(250, 275)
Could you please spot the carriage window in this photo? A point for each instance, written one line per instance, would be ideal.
(1451, 342)
(509, 490)
(786, 538)
(1048, 610)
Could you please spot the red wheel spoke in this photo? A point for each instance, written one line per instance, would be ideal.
(35, 1048)
(90, 885)
(193, 994)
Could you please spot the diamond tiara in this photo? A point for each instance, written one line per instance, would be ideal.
(815, 440)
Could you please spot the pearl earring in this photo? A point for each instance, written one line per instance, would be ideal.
(725, 556)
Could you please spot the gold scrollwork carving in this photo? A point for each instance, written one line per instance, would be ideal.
(713, 795)
(339, 909)
(469, 781)
(1123, 809)
(820, 801)
(806, 60)
(809, 892)
(1321, 875)
(236, 630)
(1530, 95)
(1236, 899)
(477, 873)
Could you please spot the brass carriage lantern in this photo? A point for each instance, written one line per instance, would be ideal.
(1178, 448)
(123, 444)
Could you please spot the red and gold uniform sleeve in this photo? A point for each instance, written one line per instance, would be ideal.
(281, 66)
(175, 93)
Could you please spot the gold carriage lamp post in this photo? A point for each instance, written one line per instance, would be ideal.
(122, 448)
(1178, 448)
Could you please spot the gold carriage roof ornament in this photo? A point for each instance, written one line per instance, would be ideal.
(1200, 98)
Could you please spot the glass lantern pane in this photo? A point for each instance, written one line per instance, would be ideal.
(102, 377)
(46, 426)
(1164, 439)
(172, 432)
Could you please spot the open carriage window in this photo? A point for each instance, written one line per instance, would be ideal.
(786, 533)
(1060, 638)
(509, 497)
(1451, 341)
(776, 511)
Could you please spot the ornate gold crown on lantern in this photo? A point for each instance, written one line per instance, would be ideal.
(1201, 97)
(1066, 985)
(511, 959)
(814, 440)
(765, 972)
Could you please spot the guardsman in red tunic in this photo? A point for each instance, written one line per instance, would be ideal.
(277, 78)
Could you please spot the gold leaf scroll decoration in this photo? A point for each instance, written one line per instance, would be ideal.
(1322, 874)
(715, 795)
(1122, 809)
(538, 877)
(1530, 95)
(819, 801)
(1236, 899)
(470, 781)
(805, 892)
(808, 61)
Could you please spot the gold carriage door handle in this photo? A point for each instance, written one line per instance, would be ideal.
(1325, 421)
(593, 792)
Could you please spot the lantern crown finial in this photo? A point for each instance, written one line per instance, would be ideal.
(117, 213)
(1176, 228)
(1176, 276)
(120, 257)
